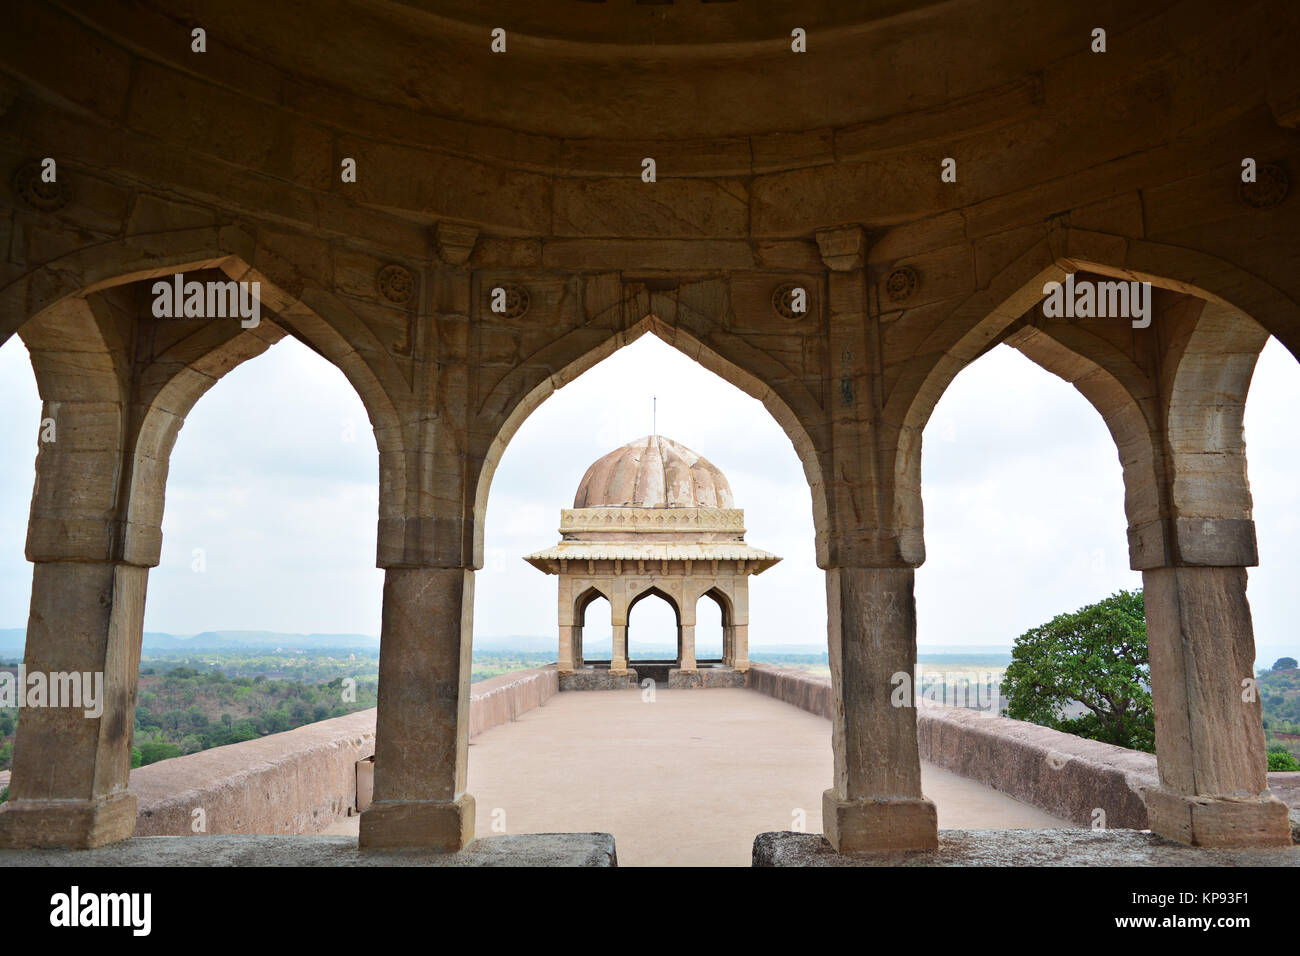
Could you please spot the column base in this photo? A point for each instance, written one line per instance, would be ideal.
(883, 823)
(442, 826)
(67, 824)
(598, 678)
(707, 677)
(1218, 821)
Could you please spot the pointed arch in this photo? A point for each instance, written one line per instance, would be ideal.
(175, 381)
(584, 600)
(1111, 381)
(718, 594)
(653, 591)
(752, 383)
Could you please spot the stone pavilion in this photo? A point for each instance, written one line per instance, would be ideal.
(653, 518)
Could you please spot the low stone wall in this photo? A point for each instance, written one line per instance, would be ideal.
(499, 700)
(1084, 781)
(298, 781)
(301, 780)
(1063, 774)
(806, 691)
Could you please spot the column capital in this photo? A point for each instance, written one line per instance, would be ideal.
(431, 541)
(455, 241)
(1193, 542)
(844, 248)
(875, 551)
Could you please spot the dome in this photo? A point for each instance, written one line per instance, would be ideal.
(653, 472)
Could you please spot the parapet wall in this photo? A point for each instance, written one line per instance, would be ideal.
(302, 780)
(298, 781)
(499, 700)
(1063, 774)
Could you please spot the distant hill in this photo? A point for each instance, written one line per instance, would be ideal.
(12, 640)
(215, 640)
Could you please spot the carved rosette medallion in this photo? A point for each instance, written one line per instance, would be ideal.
(901, 283)
(36, 192)
(396, 284)
(1270, 188)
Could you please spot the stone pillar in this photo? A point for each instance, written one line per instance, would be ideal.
(1209, 740)
(71, 764)
(1213, 788)
(579, 659)
(565, 662)
(422, 728)
(740, 647)
(69, 786)
(876, 803)
(740, 625)
(686, 635)
(618, 615)
(686, 642)
(619, 652)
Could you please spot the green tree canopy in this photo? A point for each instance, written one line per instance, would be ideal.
(1096, 656)
(1285, 664)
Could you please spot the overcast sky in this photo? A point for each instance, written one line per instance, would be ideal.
(273, 491)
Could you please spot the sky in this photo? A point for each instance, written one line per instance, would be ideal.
(272, 503)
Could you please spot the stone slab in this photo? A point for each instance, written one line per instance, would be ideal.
(707, 677)
(523, 849)
(598, 679)
(1019, 848)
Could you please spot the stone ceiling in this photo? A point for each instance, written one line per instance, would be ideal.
(573, 68)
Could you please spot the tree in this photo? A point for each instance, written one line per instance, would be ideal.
(153, 751)
(1285, 664)
(1096, 656)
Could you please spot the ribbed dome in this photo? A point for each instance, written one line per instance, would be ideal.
(653, 472)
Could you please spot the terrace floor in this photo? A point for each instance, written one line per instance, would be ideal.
(687, 780)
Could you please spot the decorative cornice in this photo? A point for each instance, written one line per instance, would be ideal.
(652, 520)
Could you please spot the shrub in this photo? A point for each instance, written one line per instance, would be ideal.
(1279, 758)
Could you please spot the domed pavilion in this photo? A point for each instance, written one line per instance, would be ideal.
(653, 518)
